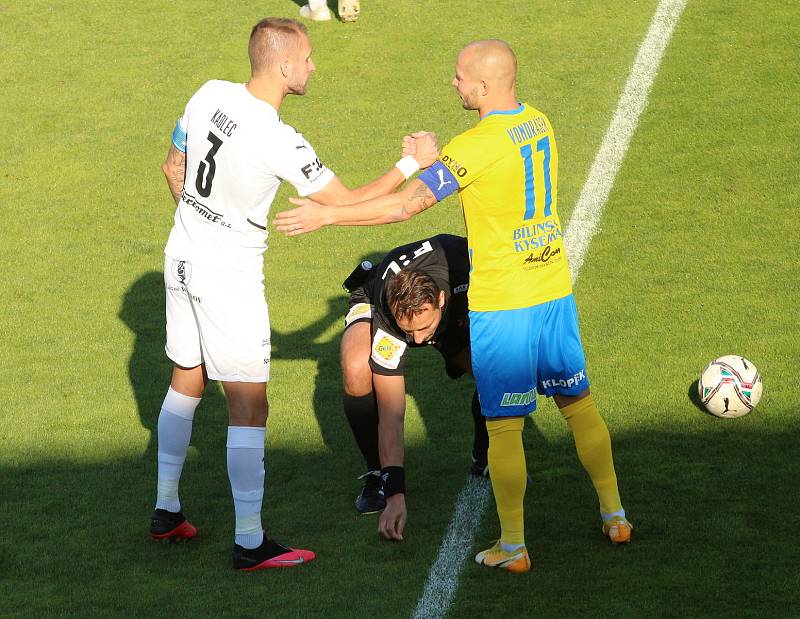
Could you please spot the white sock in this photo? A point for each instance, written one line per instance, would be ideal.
(315, 5)
(174, 433)
(246, 474)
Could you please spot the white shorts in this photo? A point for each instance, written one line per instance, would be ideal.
(218, 318)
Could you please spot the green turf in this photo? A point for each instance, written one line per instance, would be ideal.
(696, 258)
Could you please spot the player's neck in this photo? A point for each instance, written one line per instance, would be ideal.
(267, 90)
(506, 103)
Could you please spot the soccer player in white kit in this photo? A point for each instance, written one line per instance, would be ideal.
(229, 153)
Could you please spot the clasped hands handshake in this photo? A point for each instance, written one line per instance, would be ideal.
(310, 215)
(421, 146)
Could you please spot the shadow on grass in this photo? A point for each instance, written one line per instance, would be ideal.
(715, 514)
(150, 370)
(443, 404)
(437, 397)
(694, 398)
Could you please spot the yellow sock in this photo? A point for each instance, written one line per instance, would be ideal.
(509, 478)
(593, 443)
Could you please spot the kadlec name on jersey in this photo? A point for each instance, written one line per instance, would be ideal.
(220, 120)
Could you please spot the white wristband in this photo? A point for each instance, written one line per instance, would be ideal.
(407, 165)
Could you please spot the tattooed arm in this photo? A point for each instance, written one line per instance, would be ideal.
(175, 170)
(420, 199)
(310, 216)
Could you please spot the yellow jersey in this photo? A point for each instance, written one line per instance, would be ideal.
(506, 172)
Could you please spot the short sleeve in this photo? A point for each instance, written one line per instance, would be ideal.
(297, 163)
(179, 133)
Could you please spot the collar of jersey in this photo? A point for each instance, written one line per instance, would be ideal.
(259, 101)
(505, 112)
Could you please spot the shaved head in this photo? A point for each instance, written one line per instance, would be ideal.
(492, 61)
(271, 40)
(486, 74)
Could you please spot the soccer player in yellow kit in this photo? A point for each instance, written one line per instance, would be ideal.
(523, 319)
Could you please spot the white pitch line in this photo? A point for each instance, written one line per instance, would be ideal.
(585, 218)
(456, 545)
(442, 583)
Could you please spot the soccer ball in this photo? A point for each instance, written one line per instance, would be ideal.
(730, 386)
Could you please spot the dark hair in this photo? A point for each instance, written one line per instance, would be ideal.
(270, 37)
(408, 291)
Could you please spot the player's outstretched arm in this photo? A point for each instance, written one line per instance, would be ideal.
(310, 215)
(390, 392)
(174, 168)
(420, 150)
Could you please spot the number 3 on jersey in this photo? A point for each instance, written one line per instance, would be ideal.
(526, 152)
(204, 179)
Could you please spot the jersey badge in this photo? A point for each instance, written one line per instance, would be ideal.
(387, 350)
(359, 311)
(181, 271)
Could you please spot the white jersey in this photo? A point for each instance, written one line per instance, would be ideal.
(237, 152)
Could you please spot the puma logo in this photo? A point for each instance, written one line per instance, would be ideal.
(442, 182)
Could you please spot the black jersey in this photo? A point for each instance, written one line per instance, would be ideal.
(446, 260)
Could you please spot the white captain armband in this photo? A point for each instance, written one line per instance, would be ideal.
(407, 165)
(179, 137)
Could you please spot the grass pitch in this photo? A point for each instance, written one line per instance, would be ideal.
(696, 259)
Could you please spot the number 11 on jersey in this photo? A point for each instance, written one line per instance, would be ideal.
(526, 152)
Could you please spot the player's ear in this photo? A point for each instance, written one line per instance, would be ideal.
(484, 88)
(285, 68)
(441, 299)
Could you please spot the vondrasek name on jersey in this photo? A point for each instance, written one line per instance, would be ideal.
(528, 130)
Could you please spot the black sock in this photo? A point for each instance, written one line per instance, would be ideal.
(362, 414)
(480, 444)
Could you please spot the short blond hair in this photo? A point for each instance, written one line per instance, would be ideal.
(270, 38)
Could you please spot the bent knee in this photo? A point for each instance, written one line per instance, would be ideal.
(356, 376)
(356, 373)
